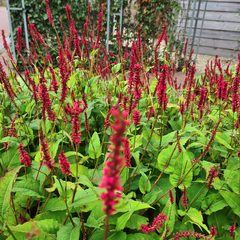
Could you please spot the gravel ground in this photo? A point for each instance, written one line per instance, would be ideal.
(203, 59)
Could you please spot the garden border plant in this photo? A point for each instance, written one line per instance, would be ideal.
(92, 149)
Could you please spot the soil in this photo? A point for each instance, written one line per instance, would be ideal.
(203, 59)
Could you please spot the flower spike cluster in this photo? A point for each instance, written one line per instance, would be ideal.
(157, 223)
(64, 164)
(111, 172)
(46, 156)
(25, 159)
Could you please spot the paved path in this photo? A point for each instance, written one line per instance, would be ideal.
(5, 26)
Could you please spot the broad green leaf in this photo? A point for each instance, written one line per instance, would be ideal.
(166, 139)
(91, 222)
(175, 125)
(58, 216)
(182, 169)
(223, 142)
(132, 206)
(69, 232)
(54, 148)
(11, 159)
(50, 226)
(233, 200)
(172, 105)
(28, 187)
(10, 139)
(82, 170)
(118, 236)
(135, 221)
(84, 197)
(218, 219)
(213, 203)
(121, 221)
(94, 146)
(139, 236)
(167, 158)
(144, 183)
(170, 211)
(153, 84)
(136, 158)
(195, 194)
(195, 216)
(116, 68)
(146, 133)
(55, 204)
(6, 185)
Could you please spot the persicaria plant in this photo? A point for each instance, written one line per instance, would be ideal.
(93, 149)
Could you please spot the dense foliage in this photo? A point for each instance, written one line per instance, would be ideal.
(149, 17)
(94, 150)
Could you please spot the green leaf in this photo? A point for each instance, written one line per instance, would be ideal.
(69, 232)
(218, 219)
(181, 168)
(195, 216)
(122, 221)
(10, 139)
(82, 170)
(28, 187)
(11, 159)
(139, 236)
(213, 203)
(223, 142)
(170, 211)
(50, 226)
(233, 200)
(196, 194)
(94, 146)
(167, 158)
(136, 158)
(144, 183)
(135, 221)
(116, 68)
(6, 185)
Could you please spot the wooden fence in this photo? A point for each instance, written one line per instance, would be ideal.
(221, 28)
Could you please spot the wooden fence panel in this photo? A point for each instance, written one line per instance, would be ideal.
(221, 28)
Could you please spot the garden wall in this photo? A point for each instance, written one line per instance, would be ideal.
(221, 29)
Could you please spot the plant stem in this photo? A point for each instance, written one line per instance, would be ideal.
(106, 228)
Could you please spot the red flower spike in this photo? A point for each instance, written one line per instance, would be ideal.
(76, 134)
(157, 223)
(213, 174)
(213, 231)
(184, 197)
(19, 39)
(64, 164)
(111, 172)
(127, 154)
(24, 158)
(50, 17)
(185, 234)
(99, 26)
(231, 231)
(171, 197)
(161, 88)
(136, 117)
(46, 156)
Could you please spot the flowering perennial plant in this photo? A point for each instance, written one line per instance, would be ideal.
(111, 181)
(183, 137)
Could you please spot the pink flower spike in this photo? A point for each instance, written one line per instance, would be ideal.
(213, 231)
(113, 166)
(231, 231)
(25, 159)
(64, 164)
(136, 117)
